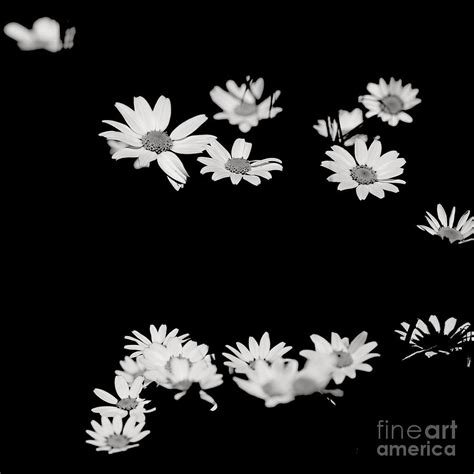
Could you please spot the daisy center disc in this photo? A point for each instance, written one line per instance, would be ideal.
(245, 109)
(127, 403)
(117, 441)
(344, 359)
(363, 174)
(272, 389)
(451, 234)
(183, 385)
(157, 141)
(392, 104)
(238, 166)
(304, 386)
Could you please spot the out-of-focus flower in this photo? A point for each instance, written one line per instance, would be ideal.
(240, 104)
(348, 122)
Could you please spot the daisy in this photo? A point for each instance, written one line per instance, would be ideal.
(131, 369)
(368, 171)
(114, 437)
(159, 336)
(390, 101)
(445, 228)
(432, 338)
(243, 359)
(272, 383)
(129, 402)
(181, 373)
(45, 34)
(348, 121)
(159, 355)
(236, 165)
(350, 356)
(146, 137)
(240, 104)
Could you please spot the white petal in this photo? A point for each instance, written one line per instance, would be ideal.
(188, 127)
(162, 113)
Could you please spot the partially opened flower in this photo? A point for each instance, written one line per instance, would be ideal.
(147, 140)
(368, 171)
(241, 106)
(45, 34)
(390, 101)
(348, 122)
(115, 437)
(159, 336)
(128, 402)
(444, 228)
(236, 165)
(131, 369)
(181, 373)
(350, 356)
(433, 338)
(245, 358)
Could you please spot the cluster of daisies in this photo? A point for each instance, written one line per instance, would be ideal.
(175, 362)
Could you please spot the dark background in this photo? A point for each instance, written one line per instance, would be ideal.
(95, 248)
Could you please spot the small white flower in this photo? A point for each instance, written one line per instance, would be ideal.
(114, 437)
(368, 172)
(180, 373)
(45, 34)
(348, 121)
(349, 356)
(243, 359)
(131, 369)
(236, 165)
(159, 336)
(146, 137)
(157, 356)
(444, 228)
(432, 339)
(240, 104)
(128, 402)
(389, 101)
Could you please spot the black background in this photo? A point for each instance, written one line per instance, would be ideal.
(95, 248)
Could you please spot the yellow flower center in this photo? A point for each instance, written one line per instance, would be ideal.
(157, 141)
(392, 104)
(238, 166)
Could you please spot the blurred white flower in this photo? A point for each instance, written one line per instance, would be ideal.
(114, 437)
(240, 104)
(181, 373)
(146, 137)
(159, 336)
(243, 359)
(444, 228)
(348, 121)
(131, 369)
(235, 165)
(349, 356)
(390, 101)
(128, 402)
(45, 34)
(431, 338)
(368, 172)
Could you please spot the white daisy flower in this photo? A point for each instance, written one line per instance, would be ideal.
(158, 355)
(240, 104)
(114, 437)
(443, 227)
(280, 381)
(181, 373)
(146, 137)
(348, 122)
(131, 369)
(432, 339)
(128, 402)
(272, 383)
(158, 336)
(243, 359)
(116, 146)
(350, 356)
(45, 34)
(390, 101)
(236, 165)
(369, 172)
